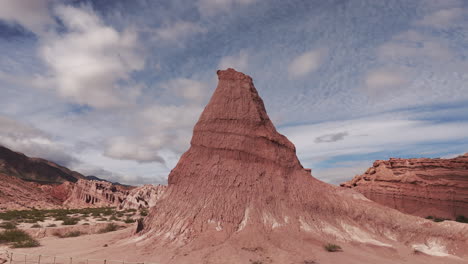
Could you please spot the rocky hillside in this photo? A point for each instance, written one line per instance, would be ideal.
(422, 187)
(34, 169)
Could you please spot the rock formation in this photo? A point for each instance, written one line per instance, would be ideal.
(145, 196)
(422, 187)
(90, 193)
(240, 195)
(34, 169)
(17, 194)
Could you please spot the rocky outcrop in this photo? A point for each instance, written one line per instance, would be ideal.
(90, 193)
(240, 194)
(145, 196)
(16, 194)
(422, 187)
(34, 169)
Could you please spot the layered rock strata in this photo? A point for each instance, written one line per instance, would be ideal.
(240, 192)
(422, 186)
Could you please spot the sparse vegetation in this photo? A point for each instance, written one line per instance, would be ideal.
(36, 225)
(461, 219)
(34, 215)
(332, 247)
(70, 221)
(435, 219)
(129, 220)
(8, 225)
(144, 212)
(52, 225)
(18, 238)
(69, 234)
(109, 228)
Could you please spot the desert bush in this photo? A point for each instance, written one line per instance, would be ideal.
(52, 225)
(8, 225)
(69, 234)
(144, 212)
(85, 223)
(332, 247)
(70, 221)
(113, 218)
(129, 220)
(461, 219)
(18, 238)
(109, 228)
(36, 225)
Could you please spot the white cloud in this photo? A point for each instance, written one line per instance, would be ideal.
(178, 31)
(160, 132)
(32, 14)
(32, 142)
(90, 63)
(121, 148)
(191, 90)
(306, 63)
(368, 135)
(239, 61)
(213, 7)
(383, 80)
(442, 18)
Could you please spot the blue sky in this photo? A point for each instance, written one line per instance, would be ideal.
(113, 88)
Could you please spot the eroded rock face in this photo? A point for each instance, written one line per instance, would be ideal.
(240, 188)
(145, 196)
(16, 194)
(422, 187)
(90, 193)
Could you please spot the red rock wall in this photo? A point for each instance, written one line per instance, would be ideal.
(422, 187)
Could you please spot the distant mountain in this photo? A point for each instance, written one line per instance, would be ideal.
(35, 169)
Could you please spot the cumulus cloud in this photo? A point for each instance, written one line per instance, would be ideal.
(239, 61)
(33, 142)
(306, 63)
(190, 90)
(178, 31)
(213, 7)
(90, 63)
(33, 15)
(121, 148)
(161, 131)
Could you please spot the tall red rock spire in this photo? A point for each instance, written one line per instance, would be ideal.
(240, 191)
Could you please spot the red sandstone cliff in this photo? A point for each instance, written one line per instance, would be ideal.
(422, 187)
(240, 194)
(17, 194)
(90, 193)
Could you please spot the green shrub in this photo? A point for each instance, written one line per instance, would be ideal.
(129, 220)
(143, 212)
(52, 225)
(69, 234)
(85, 223)
(26, 244)
(36, 225)
(113, 218)
(461, 219)
(109, 228)
(332, 247)
(8, 225)
(18, 238)
(70, 221)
